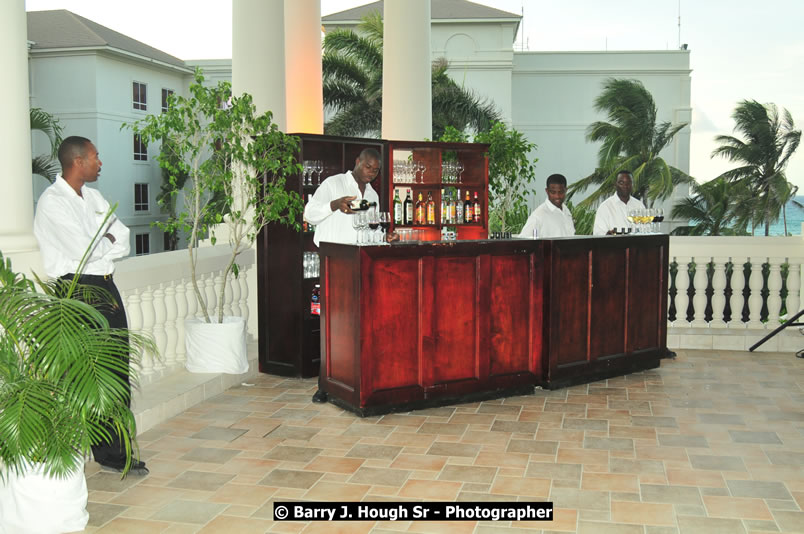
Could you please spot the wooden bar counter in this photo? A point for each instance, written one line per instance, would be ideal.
(412, 325)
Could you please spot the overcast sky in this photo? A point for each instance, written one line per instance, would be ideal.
(740, 49)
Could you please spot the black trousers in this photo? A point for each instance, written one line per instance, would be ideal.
(112, 452)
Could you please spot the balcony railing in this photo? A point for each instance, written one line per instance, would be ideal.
(158, 296)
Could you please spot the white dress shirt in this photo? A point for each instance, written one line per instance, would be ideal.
(65, 225)
(613, 213)
(335, 226)
(549, 221)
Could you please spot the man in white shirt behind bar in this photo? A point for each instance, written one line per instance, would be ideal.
(551, 218)
(613, 212)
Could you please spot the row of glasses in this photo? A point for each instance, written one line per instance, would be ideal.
(310, 168)
(371, 226)
(408, 172)
(646, 221)
(451, 172)
(311, 264)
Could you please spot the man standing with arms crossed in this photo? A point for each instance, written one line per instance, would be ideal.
(68, 216)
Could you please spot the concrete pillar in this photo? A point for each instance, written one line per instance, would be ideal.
(16, 202)
(407, 111)
(258, 54)
(304, 92)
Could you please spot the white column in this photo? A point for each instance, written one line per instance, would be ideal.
(16, 202)
(793, 301)
(258, 54)
(407, 111)
(304, 92)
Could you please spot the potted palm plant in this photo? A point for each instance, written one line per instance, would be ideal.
(234, 163)
(60, 387)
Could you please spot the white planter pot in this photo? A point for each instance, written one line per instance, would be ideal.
(216, 347)
(33, 503)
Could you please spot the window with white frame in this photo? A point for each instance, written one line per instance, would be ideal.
(141, 197)
(165, 95)
(143, 244)
(140, 149)
(140, 96)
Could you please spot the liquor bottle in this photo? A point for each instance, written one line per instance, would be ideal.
(458, 208)
(430, 208)
(443, 207)
(408, 209)
(467, 209)
(452, 219)
(362, 205)
(477, 209)
(397, 208)
(420, 208)
(315, 301)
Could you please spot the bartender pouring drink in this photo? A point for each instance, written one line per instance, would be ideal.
(330, 209)
(613, 212)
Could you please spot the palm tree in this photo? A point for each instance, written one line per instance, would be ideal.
(631, 141)
(770, 141)
(352, 79)
(712, 209)
(45, 165)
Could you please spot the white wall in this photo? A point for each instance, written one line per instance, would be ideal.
(553, 97)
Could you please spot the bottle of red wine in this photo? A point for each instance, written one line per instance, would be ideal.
(361, 205)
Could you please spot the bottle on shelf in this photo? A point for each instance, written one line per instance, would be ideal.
(452, 219)
(458, 208)
(443, 207)
(430, 208)
(468, 210)
(315, 301)
(362, 205)
(397, 208)
(407, 211)
(420, 210)
(477, 210)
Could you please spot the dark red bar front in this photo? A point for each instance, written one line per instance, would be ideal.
(414, 325)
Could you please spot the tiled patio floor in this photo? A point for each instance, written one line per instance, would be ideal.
(708, 443)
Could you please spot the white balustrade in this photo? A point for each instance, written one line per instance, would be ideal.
(699, 283)
(737, 300)
(755, 283)
(159, 297)
(719, 292)
(793, 301)
(774, 290)
(682, 285)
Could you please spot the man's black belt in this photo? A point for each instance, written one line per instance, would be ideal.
(89, 278)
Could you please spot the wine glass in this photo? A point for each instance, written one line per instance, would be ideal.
(356, 224)
(318, 166)
(373, 221)
(420, 168)
(632, 216)
(459, 168)
(306, 172)
(385, 224)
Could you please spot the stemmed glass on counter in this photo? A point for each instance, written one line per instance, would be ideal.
(385, 224)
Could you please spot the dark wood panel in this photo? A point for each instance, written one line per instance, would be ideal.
(509, 314)
(607, 319)
(645, 298)
(569, 290)
(392, 337)
(342, 300)
(454, 355)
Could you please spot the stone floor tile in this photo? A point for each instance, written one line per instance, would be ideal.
(610, 482)
(758, 489)
(196, 512)
(708, 525)
(736, 507)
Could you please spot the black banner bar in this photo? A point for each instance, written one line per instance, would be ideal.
(412, 511)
